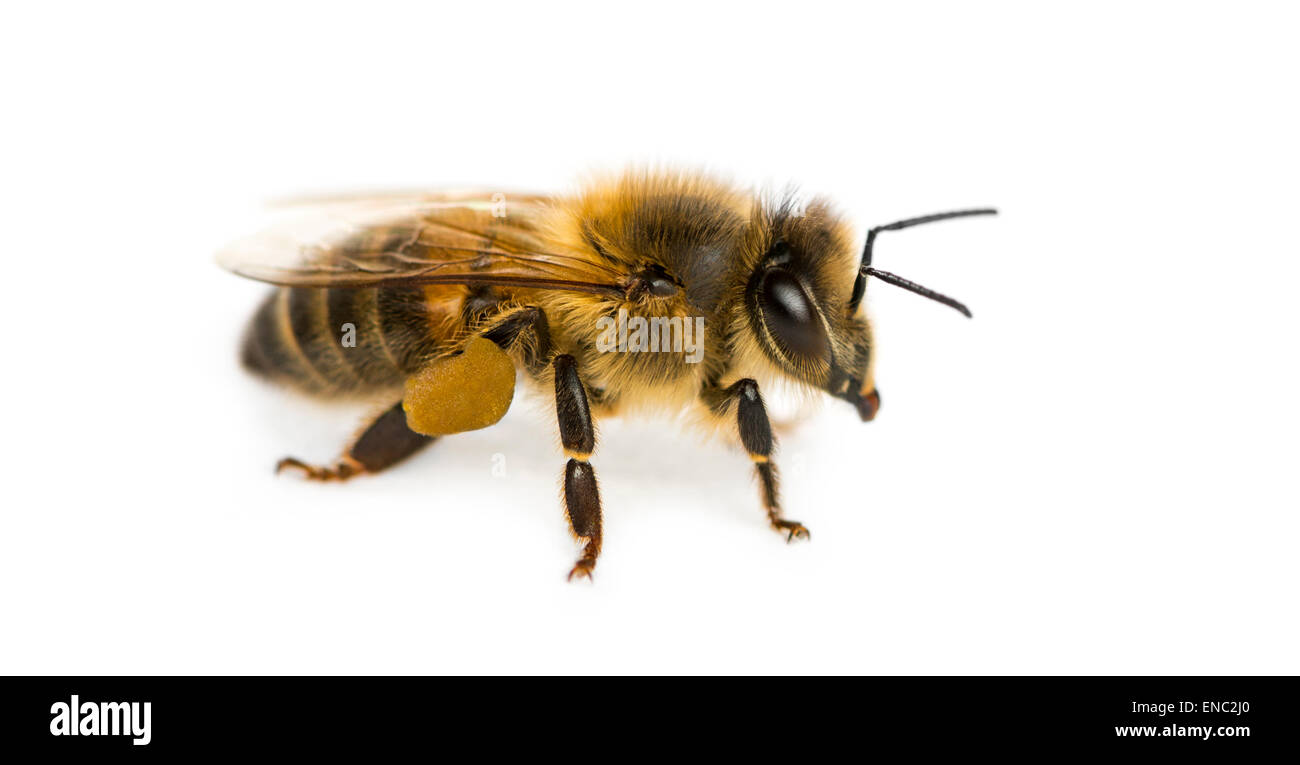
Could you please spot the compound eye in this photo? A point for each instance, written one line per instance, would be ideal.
(790, 316)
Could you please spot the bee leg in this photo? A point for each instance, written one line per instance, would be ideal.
(527, 327)
(581, 495)
(756, 436)
(524, 326)
(384, 443)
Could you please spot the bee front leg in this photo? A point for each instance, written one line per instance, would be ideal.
(756, 436)
(385, 442)
(581, 494)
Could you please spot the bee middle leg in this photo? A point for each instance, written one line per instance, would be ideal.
(384, 443)
(525, 329)
(578, 436)
(756, 436)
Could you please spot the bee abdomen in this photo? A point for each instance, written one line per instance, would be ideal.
(340, 340)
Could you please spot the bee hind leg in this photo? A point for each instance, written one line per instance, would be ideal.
(384, 443)
(756, 436)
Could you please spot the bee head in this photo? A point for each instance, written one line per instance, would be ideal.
(804, 300)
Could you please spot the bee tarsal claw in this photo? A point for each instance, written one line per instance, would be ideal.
(792, 529)
(583, 570)
(340, 471)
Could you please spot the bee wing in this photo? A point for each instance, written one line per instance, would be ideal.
(413, 239)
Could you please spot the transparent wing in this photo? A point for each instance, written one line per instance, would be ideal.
(412, 239)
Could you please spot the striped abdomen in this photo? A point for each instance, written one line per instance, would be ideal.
(336, 341)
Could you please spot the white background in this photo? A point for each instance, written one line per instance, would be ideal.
(1095, 475)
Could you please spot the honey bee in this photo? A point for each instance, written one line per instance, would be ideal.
(436, 301)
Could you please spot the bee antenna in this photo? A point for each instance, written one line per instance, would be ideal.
(912, 286)
(865, 270)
